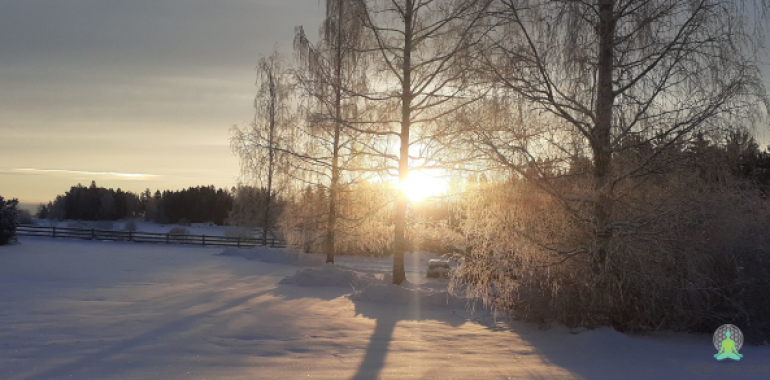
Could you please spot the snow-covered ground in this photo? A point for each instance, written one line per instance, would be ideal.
(109, 310)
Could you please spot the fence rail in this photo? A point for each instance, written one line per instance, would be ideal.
(144, 237)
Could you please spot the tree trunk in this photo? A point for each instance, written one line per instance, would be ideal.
(399, 241)
(266, 221)
(271, 153)
(601, 135)
(332, 222)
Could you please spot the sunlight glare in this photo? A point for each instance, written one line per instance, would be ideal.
(419, 186)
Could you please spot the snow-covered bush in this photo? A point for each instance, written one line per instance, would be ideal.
(9, 220)
(434, 239)
(364, 223)
(130, 226)
(689, 254)
(76, 224)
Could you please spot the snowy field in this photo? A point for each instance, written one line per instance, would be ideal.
(105, 310)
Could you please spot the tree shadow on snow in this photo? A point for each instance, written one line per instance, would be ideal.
(87, 363)
(295, 292)
(387, 316)
(608, 354)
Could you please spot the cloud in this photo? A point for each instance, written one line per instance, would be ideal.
(131, 176)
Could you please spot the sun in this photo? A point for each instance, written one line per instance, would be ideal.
(419, 185)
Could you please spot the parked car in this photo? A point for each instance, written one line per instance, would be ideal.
(438, 268)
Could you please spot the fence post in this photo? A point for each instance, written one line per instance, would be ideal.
(239, 241)
(204, 240)
(130, 236)
(54, 231)
(93, 234)
(166, 238)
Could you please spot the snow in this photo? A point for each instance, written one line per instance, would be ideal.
(330, 275)
(407, 296)
(276, 256)
(96, 310)
(371, 288)
(413, 262)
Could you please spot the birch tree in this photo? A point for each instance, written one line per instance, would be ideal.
(418, 45)
(608, 77)
(259, 144)
(329, 72)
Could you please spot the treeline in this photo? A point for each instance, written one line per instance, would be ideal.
(92, 203)
(192, 205)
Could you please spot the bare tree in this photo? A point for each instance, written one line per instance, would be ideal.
(259, 144)
(603, 78)
(418, 47)
(330, 71)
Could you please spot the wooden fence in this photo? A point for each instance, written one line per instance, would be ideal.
(144, 237)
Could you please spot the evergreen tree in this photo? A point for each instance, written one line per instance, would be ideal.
(42, 210)
(9, 220)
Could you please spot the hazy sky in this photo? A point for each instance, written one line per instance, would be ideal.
(92, 89)
(96, 89)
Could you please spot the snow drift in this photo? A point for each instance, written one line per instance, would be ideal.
(369, 288)
(277, 256)
(330, 275)
(407, 294)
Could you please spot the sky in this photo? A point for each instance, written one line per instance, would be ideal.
(132, 94)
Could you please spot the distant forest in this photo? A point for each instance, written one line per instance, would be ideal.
(192, 205)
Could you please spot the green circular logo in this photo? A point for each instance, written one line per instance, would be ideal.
(721, 334)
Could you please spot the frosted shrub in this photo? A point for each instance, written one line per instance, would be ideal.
(364, 226)
(434, 239)
(686, 255)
